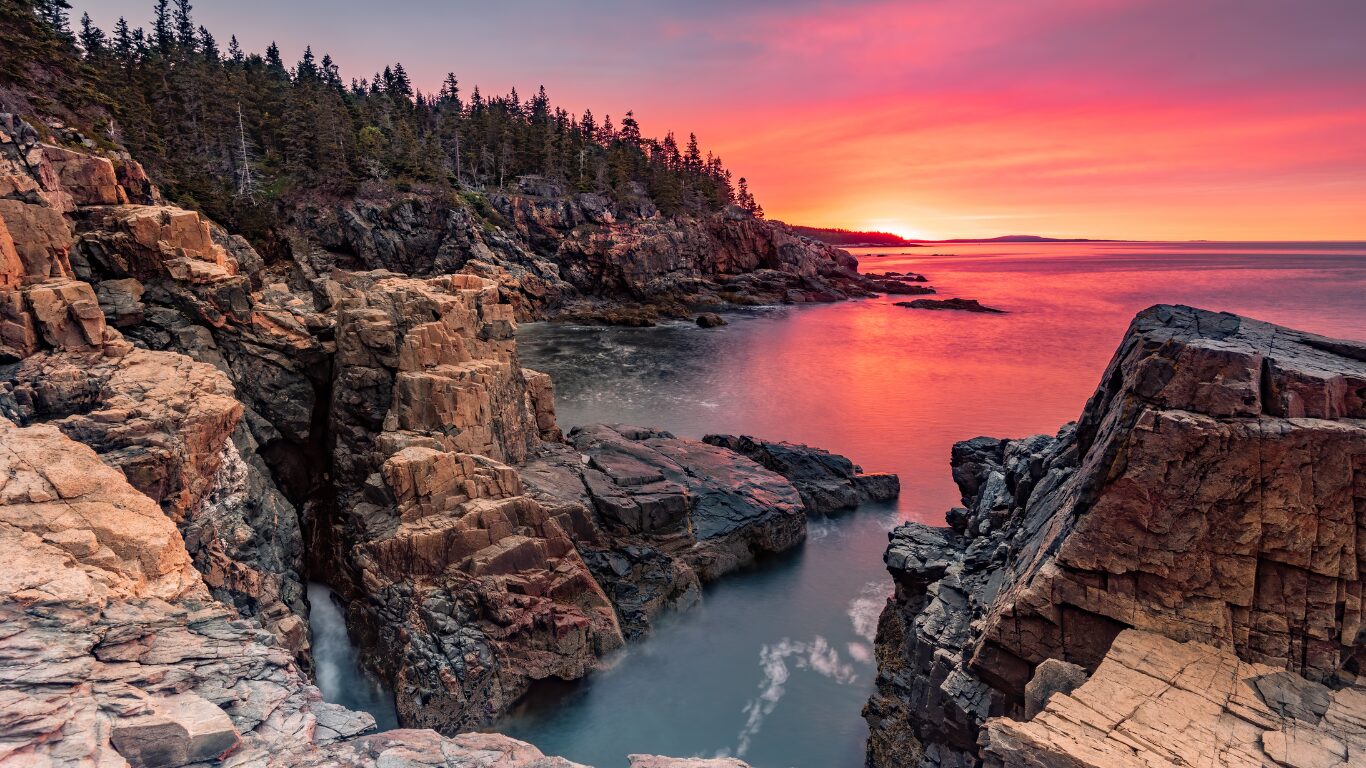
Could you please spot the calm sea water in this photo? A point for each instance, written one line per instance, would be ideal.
(776, 663)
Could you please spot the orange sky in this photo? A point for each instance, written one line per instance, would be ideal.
(1214, 119)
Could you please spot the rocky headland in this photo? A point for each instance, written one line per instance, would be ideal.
(190, 431)
(576, 256)
(1174, 579)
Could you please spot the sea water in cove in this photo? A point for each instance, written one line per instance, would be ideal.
(339, 674)
(775, 665)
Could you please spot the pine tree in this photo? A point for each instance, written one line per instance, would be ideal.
(92, 38)
(53, 13)
(306, 70)
(185, 31)
(693, 160)
(235, 50)
(208, 46)
(630, 130)
(273, 61)
(123, 42)
(401, 86)
(162, 37)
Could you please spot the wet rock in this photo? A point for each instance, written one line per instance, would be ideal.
(710, 320)
(900, 287)
(655, 761)
(828, 483)
(1181, 503)
(662, 514)
(961, 305)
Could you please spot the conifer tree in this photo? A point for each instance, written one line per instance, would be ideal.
(123, 42)
(185, 31)
(91, 37)
(163, 39)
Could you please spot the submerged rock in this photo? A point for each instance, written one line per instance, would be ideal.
(961, 305)
(710, 320)
(1208, 494)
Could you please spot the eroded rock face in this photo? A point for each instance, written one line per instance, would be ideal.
(1211, 492)
(469, 588)
(1154, 701)
(579, 256)
(117, 655)
(169, 423)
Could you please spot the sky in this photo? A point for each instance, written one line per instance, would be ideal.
(1148, 119)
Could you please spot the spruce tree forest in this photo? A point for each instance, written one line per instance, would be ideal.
(236, 134)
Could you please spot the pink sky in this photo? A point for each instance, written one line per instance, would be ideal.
(1237, 119)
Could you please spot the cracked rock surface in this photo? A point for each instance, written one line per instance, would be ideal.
(1213, 491)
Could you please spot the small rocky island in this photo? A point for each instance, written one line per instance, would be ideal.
(1174, 579)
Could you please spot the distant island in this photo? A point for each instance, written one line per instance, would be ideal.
(847, 238)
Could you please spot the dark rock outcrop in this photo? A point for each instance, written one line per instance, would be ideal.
(1211, 492)
(961, 305)
(580, 257)
(828, 483)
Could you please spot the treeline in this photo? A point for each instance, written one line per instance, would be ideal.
(847, 237)
(232, 132)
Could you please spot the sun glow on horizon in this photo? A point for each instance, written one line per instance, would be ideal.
(898, 228)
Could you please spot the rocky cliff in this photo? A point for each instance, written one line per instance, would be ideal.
(192, 431)
(1212, 493)
(580, 256)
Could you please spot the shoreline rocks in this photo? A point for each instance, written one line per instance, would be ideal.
(828, 483)
(261, 421)
(1066, 542)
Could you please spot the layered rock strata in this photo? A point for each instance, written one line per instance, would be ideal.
(116, 654)
(664, 514)
(1211, 492)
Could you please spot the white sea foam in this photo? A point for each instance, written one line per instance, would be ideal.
(865, 609)
(818, 656)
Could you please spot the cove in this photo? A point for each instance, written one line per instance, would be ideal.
(775, 664)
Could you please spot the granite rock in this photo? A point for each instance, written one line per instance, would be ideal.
(1211, 492)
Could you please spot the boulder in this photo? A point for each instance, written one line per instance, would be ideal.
(89, 179)
(179, 730)
(710, 320)
(1050, 677)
